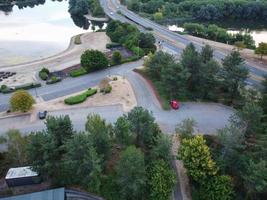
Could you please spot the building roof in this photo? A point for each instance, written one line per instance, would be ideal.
(20, 172)
(56, 194)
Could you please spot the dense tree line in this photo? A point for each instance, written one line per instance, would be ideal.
(216, 33)
(198, 75)
(129, 36)
(129, 159)
(202, 9)
(81, 7)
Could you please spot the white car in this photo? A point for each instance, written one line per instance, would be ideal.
(111, 13)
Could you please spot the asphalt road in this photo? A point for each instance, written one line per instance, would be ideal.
(112, 6)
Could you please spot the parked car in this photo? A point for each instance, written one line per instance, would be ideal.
(175, 104)
(42, 115)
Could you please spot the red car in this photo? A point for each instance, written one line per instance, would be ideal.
(175, 104)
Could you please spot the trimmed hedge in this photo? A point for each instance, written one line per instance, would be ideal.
(27, 86)
(53, 80)
(78, 72)
(80, 98)
(113, 45)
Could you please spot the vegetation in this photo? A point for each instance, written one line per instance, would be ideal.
(92, 60)
(78, 72)
(130, 37)
(127, 160)
(80, 98)
(216, 33)
(5, 89)
(116, 57)
(261, 49)
(198, 76)
(44, 73)
(21, 100)
(81, 7)
(77, 39)
(202, 9)
(53, 80)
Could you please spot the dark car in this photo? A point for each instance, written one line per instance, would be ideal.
(175, 104)
(42, 115)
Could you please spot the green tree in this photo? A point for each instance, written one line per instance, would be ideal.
(93, 60)
(78, 7)
(143, 125)
(255, 178)
(234, 74)
(240, 45)
(100, 132)
(206, 54)
(186, 128)
(22, 101)
(190, 60)
(82, 158)
(147, 42)
(131, 174)
(123, 134)
(116, 57)
(162, 150)
(161, 180)
(217, 188)
(196, 157)
(261, 49)
(16, 146)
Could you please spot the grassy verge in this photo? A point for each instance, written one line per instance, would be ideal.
(80, 98)
(158, 90)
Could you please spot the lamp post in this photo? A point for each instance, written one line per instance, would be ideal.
(109, 70)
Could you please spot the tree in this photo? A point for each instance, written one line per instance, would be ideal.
(100, 132)
(234, 74)
(143, 125)
(123, 134)
(162, 150)
(16, 146)
(131, 175)
(261, 49)
(206, 54)
(82, 158)
(197, 159)
(93, 60)
(186, 128)
(255, 178)
(78, 7)
(240, 45)
(190, 60)
(22, 101)
(116, 57)
(146, 42)
(217, 188)
(161, 180)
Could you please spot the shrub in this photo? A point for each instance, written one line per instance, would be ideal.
(43, 75)
(3, 87)
(115, 78)
(80, 98)
(108, 89)
(45, 70)
(116, 57)
(28, 86)
(112, 45)
(104, 86)
(78, 72)
(21, 101)
(77, 39)
(54, 79)
(138, 51)
(92, 60)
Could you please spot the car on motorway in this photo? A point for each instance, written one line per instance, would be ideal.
(175, 104)
(42, 114)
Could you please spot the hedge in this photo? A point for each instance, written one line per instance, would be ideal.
(78, 72)
(27, 86)
(53, 80)
(80, 98)
(113, 45)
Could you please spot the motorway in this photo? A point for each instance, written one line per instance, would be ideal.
(174, 42)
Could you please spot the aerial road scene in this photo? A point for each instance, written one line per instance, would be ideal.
(133, 100)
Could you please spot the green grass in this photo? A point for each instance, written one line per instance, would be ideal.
(80, 98)
(78, 72)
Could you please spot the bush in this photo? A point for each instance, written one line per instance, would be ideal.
(113, 45)
(80, 98)
(21, 101)
(54, 79)
(28, 86)
(92, 60)
(43, 75)
(107, 89)
(116, 57)
(138, 51)
(77, 39)
(45, 70)
(78, 72)
(115, 78)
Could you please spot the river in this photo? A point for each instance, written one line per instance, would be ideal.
(33, 33)
(258, 35)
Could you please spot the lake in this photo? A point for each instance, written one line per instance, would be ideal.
(258, 35)
(33, 33)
